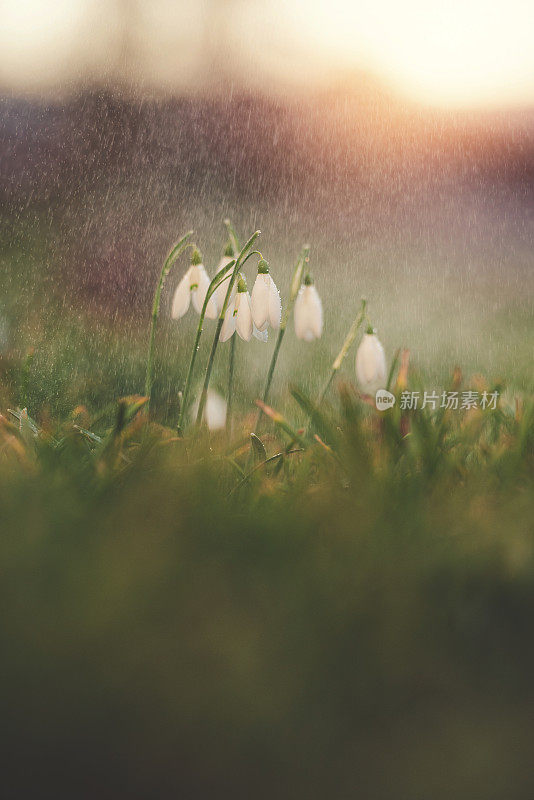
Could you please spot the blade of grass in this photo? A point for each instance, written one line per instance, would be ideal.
(269, 460)
(281, 422)
(349, 339)
(175, 252)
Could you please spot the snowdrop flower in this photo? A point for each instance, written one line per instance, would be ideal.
(371, 370)
(238, 315)
(265, 300)
(214, 411)
(193, 285)
(308, 313)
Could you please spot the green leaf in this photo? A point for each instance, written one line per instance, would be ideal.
(317, 420)
(258, 447)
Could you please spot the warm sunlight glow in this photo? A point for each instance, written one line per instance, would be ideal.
(443, 52)
(440, 51)
(36, 36)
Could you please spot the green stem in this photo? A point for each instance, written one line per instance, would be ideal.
(169, 261)
(351, 335)
(270, 373)
(326, 387)
(295, 286)
(215, 283)
(236, 248)
(220, 321)
(249, 255)
(230, 387)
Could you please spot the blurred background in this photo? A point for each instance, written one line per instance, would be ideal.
(398, 138)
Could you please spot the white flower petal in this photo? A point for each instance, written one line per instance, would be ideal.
(243, 320)
(201, 279)
(308, 314)
(215, 411)
(182, 296)
(228, 326)
(371, 367)
(299, 315)
(199, 286)
(260, 301)
(199, 295)
(317, 313)
(275, 305)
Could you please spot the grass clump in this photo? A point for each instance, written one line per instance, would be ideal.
(349, 618)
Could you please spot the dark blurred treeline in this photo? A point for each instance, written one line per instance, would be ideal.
(110, 178)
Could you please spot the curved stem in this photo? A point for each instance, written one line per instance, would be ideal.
(295, 286)
(169, 261)
(252, 253)
(220, 321)
(215, 283)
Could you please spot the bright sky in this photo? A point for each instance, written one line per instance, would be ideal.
(444, 52)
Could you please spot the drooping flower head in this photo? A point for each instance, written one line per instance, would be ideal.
(371, 368)
(238, 315)
(265, 300)
(308, 313)
(193, 286)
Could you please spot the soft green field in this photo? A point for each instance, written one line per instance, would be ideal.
(183, 619)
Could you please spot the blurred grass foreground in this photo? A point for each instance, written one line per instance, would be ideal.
(352, 619)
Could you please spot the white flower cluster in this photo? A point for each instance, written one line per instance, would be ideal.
(247, 314)
(253, 314)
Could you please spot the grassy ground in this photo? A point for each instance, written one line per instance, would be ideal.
(352, 619)
(348, 620)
